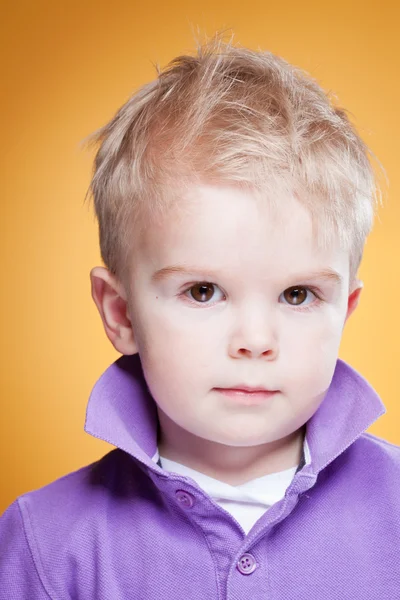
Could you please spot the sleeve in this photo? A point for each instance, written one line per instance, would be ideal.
(19, 577)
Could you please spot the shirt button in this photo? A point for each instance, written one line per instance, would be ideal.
(186, 500)
(247, 564)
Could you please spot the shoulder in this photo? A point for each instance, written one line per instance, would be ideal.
(380, 448)
(49, 530)
(113, 474)
(80, 500)
(370, 454)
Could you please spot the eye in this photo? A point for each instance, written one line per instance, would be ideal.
(297, 295)
(202, 292)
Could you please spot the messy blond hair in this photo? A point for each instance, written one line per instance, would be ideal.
(232, 115)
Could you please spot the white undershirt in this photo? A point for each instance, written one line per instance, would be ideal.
(246, 502)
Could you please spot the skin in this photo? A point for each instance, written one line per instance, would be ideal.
(247, 326)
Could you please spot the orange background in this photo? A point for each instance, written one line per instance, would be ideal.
(67, 67)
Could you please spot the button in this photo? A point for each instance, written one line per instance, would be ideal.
(247, 564)
(186, 500)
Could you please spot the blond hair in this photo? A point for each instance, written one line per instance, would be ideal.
(233, 115)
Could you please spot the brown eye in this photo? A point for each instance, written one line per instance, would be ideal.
(202, 292)
(295, 295)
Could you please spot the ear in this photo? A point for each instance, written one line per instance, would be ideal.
(111, 301)
(354, 297)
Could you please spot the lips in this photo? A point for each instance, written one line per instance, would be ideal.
(246, 388)
(248, 396)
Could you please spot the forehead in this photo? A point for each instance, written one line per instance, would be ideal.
(233, 228)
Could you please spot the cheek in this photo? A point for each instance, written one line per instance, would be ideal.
(170, 336)
(310, 357)
(172, 354)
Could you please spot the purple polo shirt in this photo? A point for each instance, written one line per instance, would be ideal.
(123, 528)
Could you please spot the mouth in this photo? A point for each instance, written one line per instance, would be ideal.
(247, 388)
(246, 394)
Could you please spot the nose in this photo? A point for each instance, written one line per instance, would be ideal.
(254, 335)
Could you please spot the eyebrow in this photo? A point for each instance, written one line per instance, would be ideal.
(326, 274)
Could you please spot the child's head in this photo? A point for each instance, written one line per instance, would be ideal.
(236, 116)
(234, 165)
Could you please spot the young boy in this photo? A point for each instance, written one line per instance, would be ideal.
(234, 202)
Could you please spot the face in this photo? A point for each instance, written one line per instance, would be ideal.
(249, 301)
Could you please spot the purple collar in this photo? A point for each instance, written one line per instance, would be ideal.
(121, 411)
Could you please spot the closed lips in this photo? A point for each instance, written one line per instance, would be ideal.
(246, 389)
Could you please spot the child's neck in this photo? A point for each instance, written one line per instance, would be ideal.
(232, 465)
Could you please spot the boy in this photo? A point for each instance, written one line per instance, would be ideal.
(233, 202)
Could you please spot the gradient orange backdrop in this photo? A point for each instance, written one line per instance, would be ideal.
(67, 67)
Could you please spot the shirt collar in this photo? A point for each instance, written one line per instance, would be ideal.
(122, 412)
